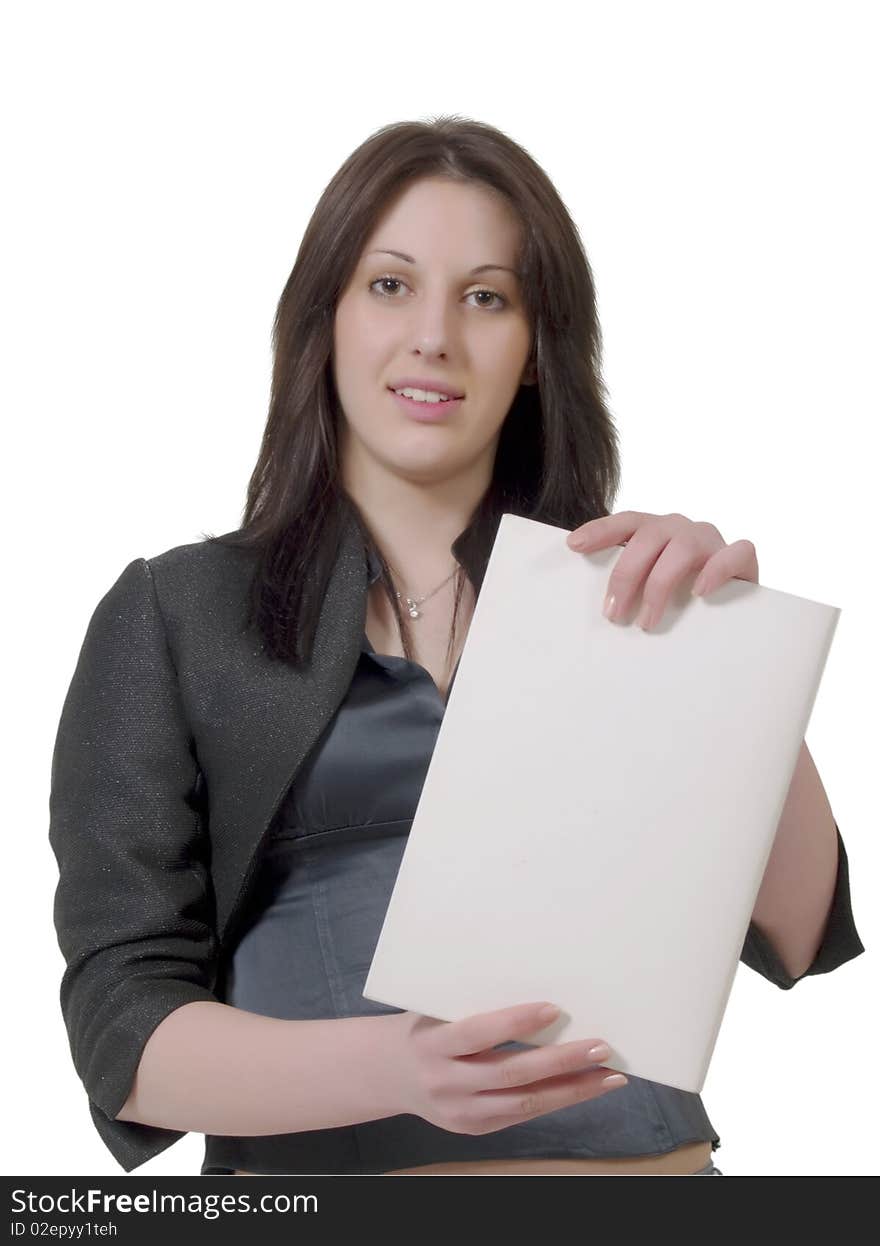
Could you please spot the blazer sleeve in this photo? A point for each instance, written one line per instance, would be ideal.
(840, 942)
(133, 908)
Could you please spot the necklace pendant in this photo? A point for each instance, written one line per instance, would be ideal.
(413, 609)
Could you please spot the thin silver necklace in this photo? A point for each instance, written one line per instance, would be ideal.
(413, 603)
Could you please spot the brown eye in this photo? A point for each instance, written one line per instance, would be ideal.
(493, 294)
(393, 281)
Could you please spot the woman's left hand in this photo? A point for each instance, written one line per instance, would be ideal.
(661, 552)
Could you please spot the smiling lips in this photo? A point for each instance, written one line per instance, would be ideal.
(426, 412)
(427, 384)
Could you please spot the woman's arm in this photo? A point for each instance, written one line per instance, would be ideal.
(216, 1069)
(797, 889)
(133, 909)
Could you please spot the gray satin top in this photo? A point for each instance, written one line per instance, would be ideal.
(314, 915)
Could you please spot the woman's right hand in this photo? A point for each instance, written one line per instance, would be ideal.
(446, 1072)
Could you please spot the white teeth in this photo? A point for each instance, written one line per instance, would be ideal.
(423, 395)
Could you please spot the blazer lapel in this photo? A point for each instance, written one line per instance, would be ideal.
(272, 716)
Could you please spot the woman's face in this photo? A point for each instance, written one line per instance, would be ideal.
(426, 318)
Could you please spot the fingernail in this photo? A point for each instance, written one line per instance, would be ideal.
(608, 609)
(600, 1052)
(646, 619)
(549, 1012)
(616, 1079)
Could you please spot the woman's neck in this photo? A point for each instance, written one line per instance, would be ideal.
(415, 530)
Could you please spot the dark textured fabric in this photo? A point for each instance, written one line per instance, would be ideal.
(178, 738)
(178, 742)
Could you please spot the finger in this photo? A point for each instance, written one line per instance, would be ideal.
(637, 564)
(675, 564)
(488, 1029)
(738, 560)
(539, 1098)
(503, 1070)
(606, 530)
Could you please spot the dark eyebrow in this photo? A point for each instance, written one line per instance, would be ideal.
(481, 268)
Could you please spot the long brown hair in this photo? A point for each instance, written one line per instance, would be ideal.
(557, 459)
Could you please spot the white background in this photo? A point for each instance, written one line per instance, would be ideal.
(162, 161)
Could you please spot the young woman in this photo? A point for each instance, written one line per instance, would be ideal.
(242, 748)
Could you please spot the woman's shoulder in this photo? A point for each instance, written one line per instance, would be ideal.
(206, 558)
(206, 580)
(208, 553)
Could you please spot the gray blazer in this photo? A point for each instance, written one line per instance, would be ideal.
(178, 739)
(175, 720)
